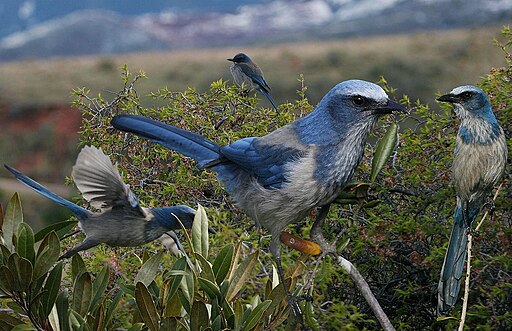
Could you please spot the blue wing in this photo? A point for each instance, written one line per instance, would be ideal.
(255, 74)
(267, 163)
(79, 212)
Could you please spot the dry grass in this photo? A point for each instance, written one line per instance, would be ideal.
(418, 64)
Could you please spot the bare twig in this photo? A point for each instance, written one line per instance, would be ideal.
(365, 290)
(466, 286)
(487, 211)
(468, 264)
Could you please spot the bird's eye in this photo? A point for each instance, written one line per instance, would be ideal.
(467, 95)
(358, 100)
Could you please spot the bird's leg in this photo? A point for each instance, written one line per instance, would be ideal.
(86, 244)
(490, 205)
(316, 230)
(275, 249)
(70, 234)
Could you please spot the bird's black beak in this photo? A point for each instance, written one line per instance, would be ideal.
(232, 60)
(448, 98)
(389, 107)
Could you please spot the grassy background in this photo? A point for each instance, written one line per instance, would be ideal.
(418, 64)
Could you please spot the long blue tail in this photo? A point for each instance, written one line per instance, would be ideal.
(179, 140)
(79, 212)
(454, 260)
(267, 95)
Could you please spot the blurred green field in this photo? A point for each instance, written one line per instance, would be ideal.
(418, 64)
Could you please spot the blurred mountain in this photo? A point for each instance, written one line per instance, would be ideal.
(69, 28)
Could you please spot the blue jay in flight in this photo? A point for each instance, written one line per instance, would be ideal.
(122, 221)
(248, 73)
(478, 165)
(278, 178)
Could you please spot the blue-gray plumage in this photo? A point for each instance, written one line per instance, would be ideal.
(122, 221)
(248, 74)
(278, 178)
(478, 165)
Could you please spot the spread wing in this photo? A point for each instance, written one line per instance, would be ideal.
(101, 184)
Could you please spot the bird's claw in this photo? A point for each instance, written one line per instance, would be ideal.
(327, 248)
(293, 302)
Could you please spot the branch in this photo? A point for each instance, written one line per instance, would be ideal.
(487, 211)
(466, 286)
(362, 285)
(468, 264)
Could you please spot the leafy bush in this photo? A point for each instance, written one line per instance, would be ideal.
(396, 234)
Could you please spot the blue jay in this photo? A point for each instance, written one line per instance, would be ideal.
(278, 178)
(246, 72)
(122, 220)
(478, 165)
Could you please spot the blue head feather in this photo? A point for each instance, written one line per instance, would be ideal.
(339, 111)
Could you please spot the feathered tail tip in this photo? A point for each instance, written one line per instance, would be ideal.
(453, 266)
(269, 98)
(182, 141)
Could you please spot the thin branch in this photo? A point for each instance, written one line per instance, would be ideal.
(487, 211)
(466, 286)
(468, 264)
(365, 290)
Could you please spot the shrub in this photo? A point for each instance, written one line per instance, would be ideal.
(396, 234)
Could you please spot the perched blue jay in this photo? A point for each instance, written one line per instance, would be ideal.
(278, 178)
(248, 73)
(478, 165)
(121, 220)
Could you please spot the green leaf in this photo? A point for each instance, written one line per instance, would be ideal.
(128, 289)
(146, 307)
(206, 268)
(200, 232)
(112, 304)
(255, 315)
(277, 295)
(25, 242)
(12, 219)
(1, 217)
(169, 323)
(199, 319)
(240, 275)
(211, 289)
(99, 286)
(187, 287)
(24, 327)
(53, 319)
(6, 280)
(77, 266)
(173, 307)
(99, 320)
(47, 254)
(238, 314)
(309, 317)
(57, 227)
(82, 294)
(148, 271)
(62, 305)
(76, 321)
(8, 320)
(51, 287)
(137, 327)
(384, 149)
(175, 280)
(22, 270)
(222, 263)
